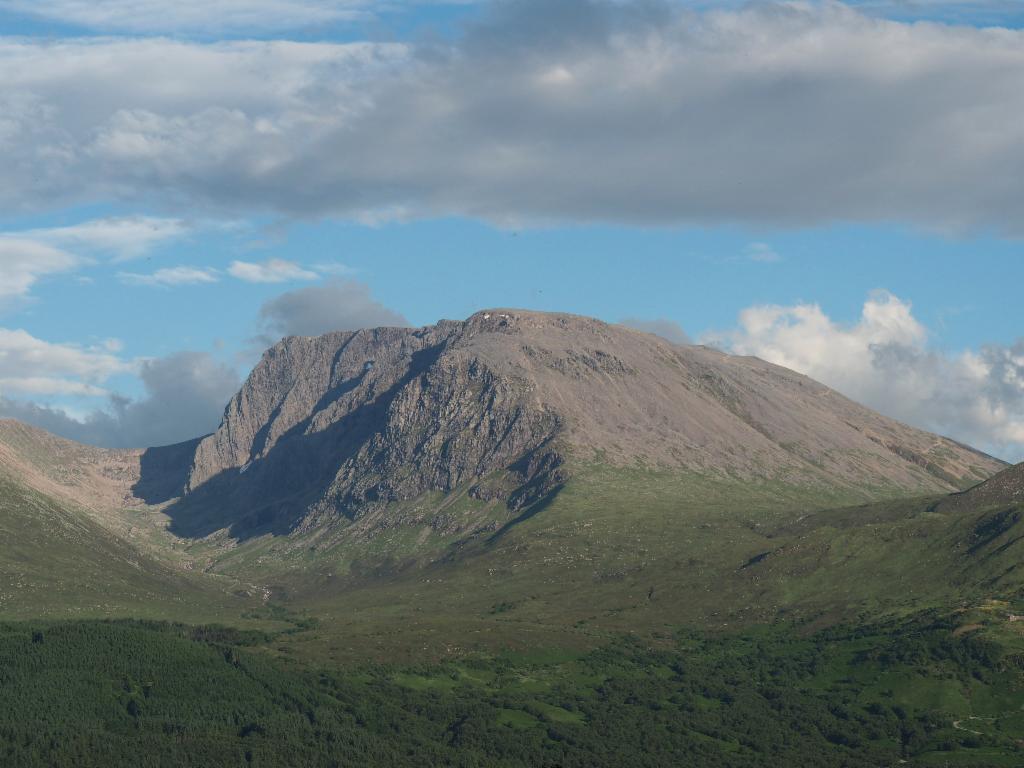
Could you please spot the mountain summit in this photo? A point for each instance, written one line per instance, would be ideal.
(508, 404)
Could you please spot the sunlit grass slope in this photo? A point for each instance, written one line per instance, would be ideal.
(55, 561)
(646, 552)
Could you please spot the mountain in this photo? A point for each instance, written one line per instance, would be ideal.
(595, 468)
(508, 405)
(604, 538)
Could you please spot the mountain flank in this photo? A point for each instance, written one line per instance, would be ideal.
(1003, 489)
(508, 404)
(508, 473)
(96, 478)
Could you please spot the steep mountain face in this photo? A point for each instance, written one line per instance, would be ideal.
(508, 404)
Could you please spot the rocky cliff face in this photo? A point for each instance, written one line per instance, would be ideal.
(506, 404)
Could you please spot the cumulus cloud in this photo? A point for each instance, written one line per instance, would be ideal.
(24, 262)
(160, 111)
(884, 361)
(185, 398)
(185, 392)
(42, 385)
(171, 276)
(338, 305)
(29, 364)
(667, 329)
(271, 271)
(564, 110)
(27, 256)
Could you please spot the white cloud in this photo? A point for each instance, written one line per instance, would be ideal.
(27, 256)
(978, 12)
(271, 271)
(24, 262)
(41, 385)
(185, 397)
(56, 386)
(158, 111)
(884, 361)
(31, 365)
(121, 238)
(171, 276)
(788, 114)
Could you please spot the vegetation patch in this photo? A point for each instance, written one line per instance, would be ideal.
(132, 693)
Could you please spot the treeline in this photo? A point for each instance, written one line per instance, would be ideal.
(148, 694)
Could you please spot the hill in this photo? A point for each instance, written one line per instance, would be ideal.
(92, 477)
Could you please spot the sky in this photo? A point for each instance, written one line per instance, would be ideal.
(834, 187)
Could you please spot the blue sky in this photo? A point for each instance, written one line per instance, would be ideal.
(450, 268)
(832, 187)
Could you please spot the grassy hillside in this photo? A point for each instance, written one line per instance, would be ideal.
(57, 562)
(614, 551)
(631, 550)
